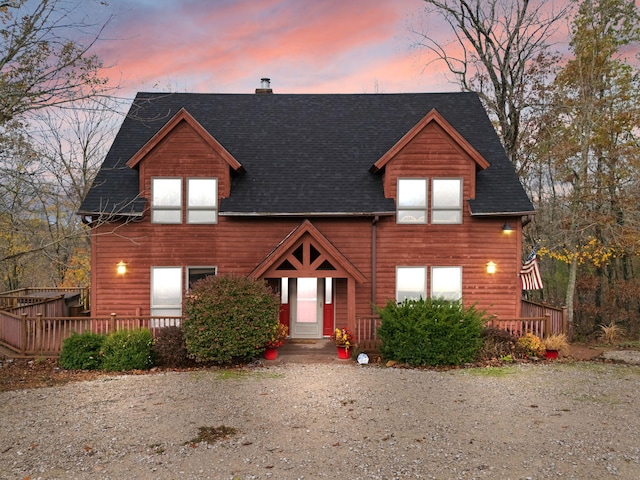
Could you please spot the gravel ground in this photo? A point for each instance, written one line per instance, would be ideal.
(340, 420)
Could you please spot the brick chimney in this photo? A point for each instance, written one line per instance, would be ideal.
(265, 86)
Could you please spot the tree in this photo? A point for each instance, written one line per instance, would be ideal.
(499, 49)
(591, 146)
(41, 65)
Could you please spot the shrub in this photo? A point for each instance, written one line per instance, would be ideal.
(170, 348)
(496, 344)
(128, 350)
(529, 345)
(229, 318)
(430, 332)
(82, 351)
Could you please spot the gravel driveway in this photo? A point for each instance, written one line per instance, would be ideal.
(339, 420)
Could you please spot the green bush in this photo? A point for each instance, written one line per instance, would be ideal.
(82, 351)
(430, 332)
(170, 348)
(128, 350)
(229, 319)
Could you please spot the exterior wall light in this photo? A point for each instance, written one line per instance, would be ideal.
(506, 228)
(491, 268)
(121, 268)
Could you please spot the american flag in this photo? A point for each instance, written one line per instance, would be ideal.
(530, 273)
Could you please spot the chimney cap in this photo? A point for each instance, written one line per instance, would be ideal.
(265, 86)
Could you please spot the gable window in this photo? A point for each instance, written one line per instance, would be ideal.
(411, 283)
(166, 291)
(412, 200)
(446, 202)
(446, 282)
(202, 200)
(198, 273)
(166, 200)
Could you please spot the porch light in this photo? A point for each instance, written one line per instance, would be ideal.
(491, 268)
(506, 228)
(121, 268)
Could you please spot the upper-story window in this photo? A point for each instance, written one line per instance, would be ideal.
(446, 204)
(412, 200)
(202, 205)
(166, 200)
(202, 200)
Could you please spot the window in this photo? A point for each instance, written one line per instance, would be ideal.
(446, 204)
(166, 200)
(202, 204)
(446, 282)
(198, 273)
(166, 291)
(411, 283)
(412, 200)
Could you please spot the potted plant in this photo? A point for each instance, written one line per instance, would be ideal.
(278, 337)
(555, 343)
(343, 339)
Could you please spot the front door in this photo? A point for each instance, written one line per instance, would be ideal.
(307, 299)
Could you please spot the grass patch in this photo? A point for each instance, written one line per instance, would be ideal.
(491, 371)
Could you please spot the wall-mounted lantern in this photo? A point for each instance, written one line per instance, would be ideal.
(506, 228)
(121, 268)
(491, 268)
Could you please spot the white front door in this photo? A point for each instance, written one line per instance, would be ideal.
(306, 297)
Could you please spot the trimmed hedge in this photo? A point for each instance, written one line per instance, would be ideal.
(82, 351)
(128, 350)
(430, 332)
(229, 319)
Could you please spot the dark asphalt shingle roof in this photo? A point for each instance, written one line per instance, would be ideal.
(306, 154)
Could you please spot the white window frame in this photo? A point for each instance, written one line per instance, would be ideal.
(166, 211)
(445, 210)
(169, 308)
(419, 274)
(452, 277)
(409, 212)
(203, 209)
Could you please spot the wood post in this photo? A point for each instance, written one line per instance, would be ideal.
(38, 345)
(547, 324)
(112, 323)
(23, 334)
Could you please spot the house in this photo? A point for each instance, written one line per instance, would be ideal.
(340, 202)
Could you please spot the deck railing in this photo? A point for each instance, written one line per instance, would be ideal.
(40, 335)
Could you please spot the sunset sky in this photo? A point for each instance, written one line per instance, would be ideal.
(304, 46)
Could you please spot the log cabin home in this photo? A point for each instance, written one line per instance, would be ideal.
(339, 201)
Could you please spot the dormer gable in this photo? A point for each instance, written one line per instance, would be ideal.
(432, 117)
(184, 116)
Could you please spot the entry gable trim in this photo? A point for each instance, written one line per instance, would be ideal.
(432, 116)
(306, 228)
(184, 116)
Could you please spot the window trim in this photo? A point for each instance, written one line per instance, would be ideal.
(188, 269)
(166, 208)
(435, 208)
(406, 267)
(207, 208)
(422, 210)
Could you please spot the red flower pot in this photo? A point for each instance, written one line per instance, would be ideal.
(343, 352)
(551, 354)
(271, 353)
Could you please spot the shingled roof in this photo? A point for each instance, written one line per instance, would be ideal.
(306, 154)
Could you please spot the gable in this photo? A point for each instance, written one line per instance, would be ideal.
(305, 252)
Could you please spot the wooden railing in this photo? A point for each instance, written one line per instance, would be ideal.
(23, 296)
(40, 335)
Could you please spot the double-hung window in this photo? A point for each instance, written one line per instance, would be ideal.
(446, 202)
(412, 200)
(166, 200)
(411, 283)
(446, 282)
(166, 291)
(202, 203)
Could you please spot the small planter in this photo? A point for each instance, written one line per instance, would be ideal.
(343, 352)
(271, 353)
(551, 354)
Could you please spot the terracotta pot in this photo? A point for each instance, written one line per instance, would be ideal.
(343, 352)
(552, 354)
(271, 353)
